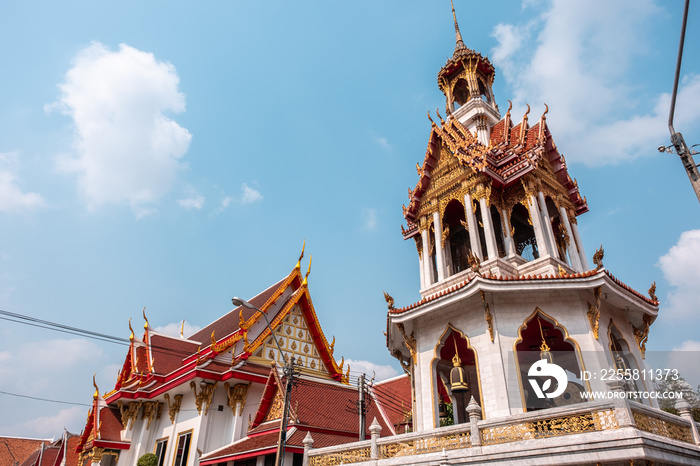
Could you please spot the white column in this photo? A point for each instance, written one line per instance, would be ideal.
(579, 244)
(547, 226)
(491, 247)
(439, 253)
(428, 278)
(535, 216)
(510, 243)
(573, 249)
(421, 265)
(473, 227)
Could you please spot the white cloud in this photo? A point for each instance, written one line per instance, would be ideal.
(369, 219)
(50, 426)
(173, 329)
(127, 150)
(12, 198)
(382, 142)
(225, 202)
(250, 195)
(579, 62)
(195, 201)
(371, 369)
(681, 268)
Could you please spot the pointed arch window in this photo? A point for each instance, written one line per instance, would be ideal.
(454, 352)
(542, 337)
(623, 359)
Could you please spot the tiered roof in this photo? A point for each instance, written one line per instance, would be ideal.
(513, 152)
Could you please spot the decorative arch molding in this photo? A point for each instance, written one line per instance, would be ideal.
(450, 329)
(566, 338)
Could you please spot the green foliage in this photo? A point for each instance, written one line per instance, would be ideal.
(448, 420)
(149, 459)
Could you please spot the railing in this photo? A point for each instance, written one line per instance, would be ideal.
(573, 419)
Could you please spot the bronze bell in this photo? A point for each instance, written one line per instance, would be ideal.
(442, 409)
(458, 376)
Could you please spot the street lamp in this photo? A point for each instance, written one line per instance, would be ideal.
(685, 154)
(288, 372)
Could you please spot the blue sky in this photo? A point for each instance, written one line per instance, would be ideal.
(175, 154)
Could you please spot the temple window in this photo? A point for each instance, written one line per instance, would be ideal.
(458, 239)
(161, 448)
(523, 233)
(182, 450)
(483, 92)
(498, 231)
(455, 380)
(542, 339)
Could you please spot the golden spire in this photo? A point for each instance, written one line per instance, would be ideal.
(306, 277)
(301, 256)
(131, 337)
(182, 329)
(460, 44)
(96, 395)
(145, 326)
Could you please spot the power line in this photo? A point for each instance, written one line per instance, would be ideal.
(44, 399)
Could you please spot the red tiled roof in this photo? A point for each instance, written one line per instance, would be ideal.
(228, 323)
(395, 398)
(15, 449)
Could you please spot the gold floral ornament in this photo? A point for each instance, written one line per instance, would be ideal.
(205, 395)
(244, 328)
(594, 312)
(641, 334)
(174, 407)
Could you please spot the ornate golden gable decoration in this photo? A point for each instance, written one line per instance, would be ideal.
(129, 413)
(151, 409)
(173, 408)
(237, 396)
(205, 395)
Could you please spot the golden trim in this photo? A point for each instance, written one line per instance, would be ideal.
(641, 334)
(173, 408)
(205, 395)
(571, 341)
(594, 312)
(189, 450)
(487, 312)
(433, 386)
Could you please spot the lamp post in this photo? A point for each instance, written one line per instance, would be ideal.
(288, 372)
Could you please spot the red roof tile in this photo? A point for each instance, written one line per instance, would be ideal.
(16, 449)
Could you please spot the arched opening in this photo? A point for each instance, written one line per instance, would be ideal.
(459, 245)
(549, 369)
(455, 377)
(523, 233)
(498, 231)
(561, 237)
(484, 93)
(480, 228)
(624, 360)
(460, 93)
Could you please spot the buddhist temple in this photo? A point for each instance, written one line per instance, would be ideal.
(519, 351)
(217, 396)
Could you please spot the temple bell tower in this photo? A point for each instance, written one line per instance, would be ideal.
(504, 279)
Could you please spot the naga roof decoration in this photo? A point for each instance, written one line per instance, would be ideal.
(160, 362)
(513, 153)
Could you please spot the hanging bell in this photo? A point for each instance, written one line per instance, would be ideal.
(442, 409)
(545, 353)
(458, 376)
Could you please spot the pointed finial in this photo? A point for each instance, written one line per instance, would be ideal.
(546, 110)
(145, 326)
(96, 395)
(510, 107)
(306, 277)
(301, 256)
(131, 337)
(432, 123)
(442, 122)
(459, 43)
(528, 112)
(182, 329)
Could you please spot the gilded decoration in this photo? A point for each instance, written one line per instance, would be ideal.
(276, 407)
(419, 245)
(347, 457)
(554, 427)
(487, 314)
(641, 334)
(129, 412)
(237, 396)
(652, 292)
(594, 312)
(205, 395)
(410, 342)
(598, 257)
(389, 301)
(151, 410)
(174, 407)
(664, 428)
